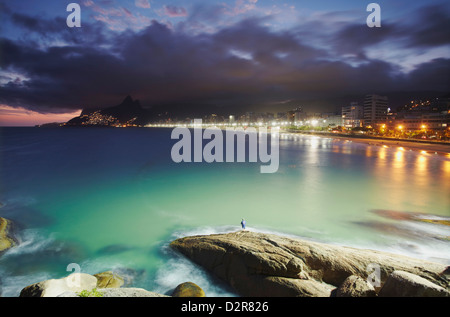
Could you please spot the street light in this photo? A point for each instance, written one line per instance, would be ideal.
(400, 127)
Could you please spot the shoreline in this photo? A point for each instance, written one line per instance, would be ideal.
(430, 147)
(416, 145)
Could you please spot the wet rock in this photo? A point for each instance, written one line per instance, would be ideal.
(118, 292)
(188, 289)
(355, 286)
(109, 280)
(404, 284)
(7, 238)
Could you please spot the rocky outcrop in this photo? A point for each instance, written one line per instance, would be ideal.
(118, 292)
(75, 282)
(106, 284)
(109, 280)
(257, 264)
(188, 289)
(404, 284)
(355, 286)
(7, 238)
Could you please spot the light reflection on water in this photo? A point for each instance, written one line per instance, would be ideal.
(349, 179)
(135, 199)
(405, 179)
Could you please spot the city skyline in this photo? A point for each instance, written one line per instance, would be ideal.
(244, 55)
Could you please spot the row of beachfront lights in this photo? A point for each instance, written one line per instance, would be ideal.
(243, 124)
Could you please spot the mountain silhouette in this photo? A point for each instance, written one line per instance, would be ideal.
(128, 112)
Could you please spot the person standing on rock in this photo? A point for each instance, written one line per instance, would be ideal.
(243, 224)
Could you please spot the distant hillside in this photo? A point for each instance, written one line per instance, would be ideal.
(129, 113)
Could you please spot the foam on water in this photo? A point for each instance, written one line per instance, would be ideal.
(13, 279)
(32, 241)
(10, 286)
(113, 209)
(177, 269)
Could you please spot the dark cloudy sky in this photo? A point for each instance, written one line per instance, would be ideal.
(232, 53)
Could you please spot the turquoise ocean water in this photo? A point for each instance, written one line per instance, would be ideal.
(112, 199)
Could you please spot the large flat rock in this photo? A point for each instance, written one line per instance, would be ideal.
(258, 264)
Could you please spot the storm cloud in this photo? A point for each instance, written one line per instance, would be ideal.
(57, 69)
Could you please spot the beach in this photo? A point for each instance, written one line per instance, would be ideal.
(428, 147)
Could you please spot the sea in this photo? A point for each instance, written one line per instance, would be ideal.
(112, 199)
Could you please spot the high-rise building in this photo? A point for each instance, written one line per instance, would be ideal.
(290, 116)
(375, 110)
(331, 120)
(295, 115)
(352, 115)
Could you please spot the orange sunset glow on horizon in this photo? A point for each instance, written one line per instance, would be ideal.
(20, 117)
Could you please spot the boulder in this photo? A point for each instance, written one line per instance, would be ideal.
(109, 280)
(188, 289)
(75, 282)
(118, 292)
(105, 284)
(404, 284)
(7, 239)
(258, 264)
(355, 286)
